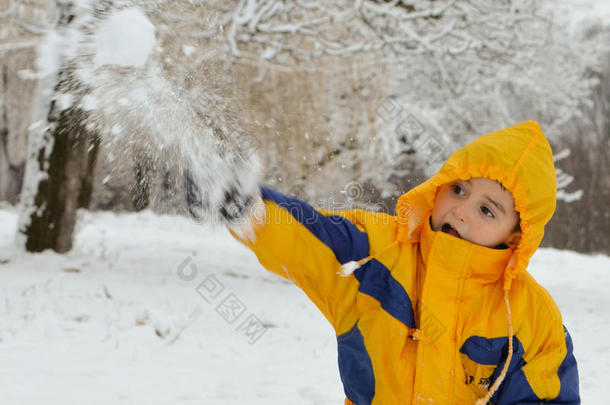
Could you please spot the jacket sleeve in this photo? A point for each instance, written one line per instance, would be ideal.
(308, 246)
(550, 376)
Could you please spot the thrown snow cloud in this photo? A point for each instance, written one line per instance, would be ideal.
(126, 38)
(143, 112)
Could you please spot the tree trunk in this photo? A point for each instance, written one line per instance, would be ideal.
(59, 168)
(65, 187)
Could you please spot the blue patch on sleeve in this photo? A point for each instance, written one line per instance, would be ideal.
(355, 367)
(568, 375)
(338, 233)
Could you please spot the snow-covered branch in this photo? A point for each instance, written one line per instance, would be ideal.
(346, 28)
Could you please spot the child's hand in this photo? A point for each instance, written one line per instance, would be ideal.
(233, 206)
(247, 225)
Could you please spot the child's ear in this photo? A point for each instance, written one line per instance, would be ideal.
(513, 239)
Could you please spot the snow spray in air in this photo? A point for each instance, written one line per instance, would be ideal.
(110, 55)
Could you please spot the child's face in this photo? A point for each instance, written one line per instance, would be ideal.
(478, 210)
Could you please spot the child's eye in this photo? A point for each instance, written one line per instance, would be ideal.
(486, 211)
(457, 189)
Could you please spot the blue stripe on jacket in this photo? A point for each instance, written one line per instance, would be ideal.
(377, 281)
(355, 367)
(338, 233)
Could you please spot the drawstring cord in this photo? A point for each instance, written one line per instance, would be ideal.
(349, 267)
(496, 384)
(508, 277)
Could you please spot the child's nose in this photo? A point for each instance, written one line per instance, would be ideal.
(460, 213)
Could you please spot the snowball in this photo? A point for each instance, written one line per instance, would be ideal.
(126, 38)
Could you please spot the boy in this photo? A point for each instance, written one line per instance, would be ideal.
(434, 305)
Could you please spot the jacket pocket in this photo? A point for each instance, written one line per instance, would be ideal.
(484, 358)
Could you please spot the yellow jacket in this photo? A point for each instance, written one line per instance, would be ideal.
(425, 319)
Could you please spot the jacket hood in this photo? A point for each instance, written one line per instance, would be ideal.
(518, 157)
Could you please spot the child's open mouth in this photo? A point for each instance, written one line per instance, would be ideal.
(450, 230)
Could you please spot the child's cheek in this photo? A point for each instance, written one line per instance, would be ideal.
(481, 234)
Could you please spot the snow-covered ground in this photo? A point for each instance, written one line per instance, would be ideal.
(137, 314)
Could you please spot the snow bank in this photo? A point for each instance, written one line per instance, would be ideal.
(127, 317)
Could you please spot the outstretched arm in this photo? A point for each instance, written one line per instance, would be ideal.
(308, 246)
